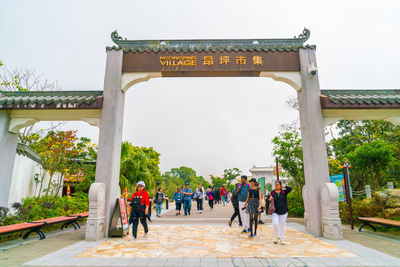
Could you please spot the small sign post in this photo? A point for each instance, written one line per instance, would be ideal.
(338, 180)
(119, 221)
(346, 166)
(261, 182)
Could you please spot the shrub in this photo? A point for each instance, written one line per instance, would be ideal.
(344, 212)
(295, 205)
(37, 208)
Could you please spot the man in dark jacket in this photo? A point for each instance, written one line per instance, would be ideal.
(235, 204)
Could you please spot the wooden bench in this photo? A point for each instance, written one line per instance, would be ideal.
(35, 227)
(373, 220)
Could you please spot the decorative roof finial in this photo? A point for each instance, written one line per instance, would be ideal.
(304, 35)
(115, 37)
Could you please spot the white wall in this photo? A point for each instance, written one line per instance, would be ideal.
(22, 183)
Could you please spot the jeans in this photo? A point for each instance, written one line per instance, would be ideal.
(187, 205)
(279, 220)
(223, 199)
(178, 206)
(199, 204)
(158, 208)
(211, 203)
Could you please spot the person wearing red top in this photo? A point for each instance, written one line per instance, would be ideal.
(224, 194)
(140, 202)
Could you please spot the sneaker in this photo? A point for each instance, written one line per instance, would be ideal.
(251, 236)
(255, 234)
(260, 222)
(244, 231)
(276, 240)
(230, 223)
(283, 242)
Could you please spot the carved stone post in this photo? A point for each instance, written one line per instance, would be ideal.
(316, 169)
(95, 224)
(110, 137)
(330, 220)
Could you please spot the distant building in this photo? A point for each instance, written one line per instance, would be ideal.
(266, 172)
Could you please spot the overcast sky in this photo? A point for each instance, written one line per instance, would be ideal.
(209, 124)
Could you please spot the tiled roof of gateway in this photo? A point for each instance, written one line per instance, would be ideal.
(360, 98)
(222, 45)
(51, 100)
(28, 152)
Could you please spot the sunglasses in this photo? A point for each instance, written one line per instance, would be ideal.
(140, 186)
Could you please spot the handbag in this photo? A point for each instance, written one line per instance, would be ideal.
(271, 208)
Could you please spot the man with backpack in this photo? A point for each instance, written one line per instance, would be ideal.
(235, 204)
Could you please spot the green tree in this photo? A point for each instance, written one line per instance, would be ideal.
(62, 153)
(231, 175)
(289, 152)
(355, 134)
(139, 164)
(371, 159)
(218, 181)
(179, 176)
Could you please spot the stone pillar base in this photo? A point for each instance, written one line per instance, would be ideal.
(330, 220)
(95, 228)
(95, 225)
(331, 228)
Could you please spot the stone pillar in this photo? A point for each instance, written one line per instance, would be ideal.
(330, 220)
(315, 157)
(109, 154)
(368, 191)
(8, 148)
(390, 185)
(95, 224)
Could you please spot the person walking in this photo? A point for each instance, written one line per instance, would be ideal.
(210, 198)
(178, 198)
(235, 204)
(140, 202)
(187, 199)
(253, 206)
(199, 196)
(279, 196)
(262, 205)
(159, 199)
(215, 195)
(242, 189)
(224, 194)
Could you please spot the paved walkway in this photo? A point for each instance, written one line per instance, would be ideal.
(68, 249)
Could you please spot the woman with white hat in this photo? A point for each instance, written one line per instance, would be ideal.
(140, 202)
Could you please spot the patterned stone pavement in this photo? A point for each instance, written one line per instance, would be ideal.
(215, 245)
(200, 240)
(171, 241)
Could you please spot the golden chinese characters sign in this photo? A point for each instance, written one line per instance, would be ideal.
(211, 63)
